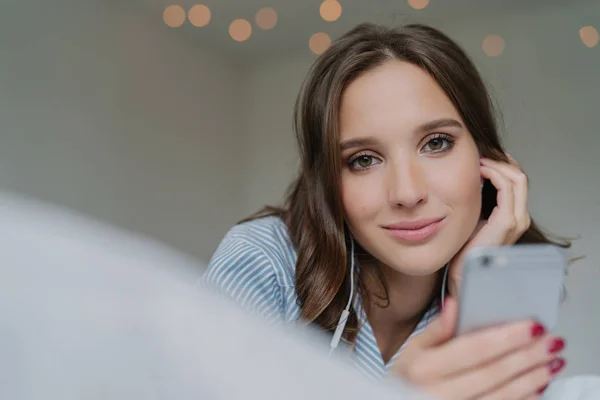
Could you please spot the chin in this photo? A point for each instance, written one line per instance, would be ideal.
(420, 267)
(417, 261)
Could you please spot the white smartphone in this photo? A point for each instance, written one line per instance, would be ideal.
(504, 284)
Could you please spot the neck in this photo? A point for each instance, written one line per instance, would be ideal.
(409, 298)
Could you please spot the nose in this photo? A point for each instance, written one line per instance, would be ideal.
(407, 184)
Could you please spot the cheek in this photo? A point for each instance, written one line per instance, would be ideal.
(361, 196)
(460, 185)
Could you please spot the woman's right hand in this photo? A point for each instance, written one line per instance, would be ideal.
(513, 361)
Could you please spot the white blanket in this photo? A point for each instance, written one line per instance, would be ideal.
(585, 387)
(89, 312)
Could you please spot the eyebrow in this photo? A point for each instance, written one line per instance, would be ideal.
(370, 141)
(358, 142)
(437, 124)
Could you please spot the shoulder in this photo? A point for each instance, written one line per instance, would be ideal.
(266, 238)
(268, 232)
(254, 265)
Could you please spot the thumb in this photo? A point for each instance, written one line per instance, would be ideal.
(441, 329)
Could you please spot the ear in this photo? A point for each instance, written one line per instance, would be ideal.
(481, 177)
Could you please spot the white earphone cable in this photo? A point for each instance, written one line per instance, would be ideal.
(337, 335)
(444, 282)
(339, 330)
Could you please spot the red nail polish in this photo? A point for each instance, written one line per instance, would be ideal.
(557, 365)
(542, 389)
(556, 345)
(537, 330)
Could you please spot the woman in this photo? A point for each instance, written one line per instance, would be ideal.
(402, 171)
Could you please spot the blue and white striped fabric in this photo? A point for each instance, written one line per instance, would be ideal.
(255, 265)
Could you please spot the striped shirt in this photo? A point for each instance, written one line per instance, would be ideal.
(255, 266)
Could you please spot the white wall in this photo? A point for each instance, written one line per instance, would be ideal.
(108, 111)
(547, 84)
(270, 93)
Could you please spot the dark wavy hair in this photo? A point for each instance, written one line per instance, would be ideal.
(313, 210)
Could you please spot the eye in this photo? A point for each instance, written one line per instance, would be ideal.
(438, 144)
(363, 161)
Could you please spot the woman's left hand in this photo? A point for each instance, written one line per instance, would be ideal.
(507, 222)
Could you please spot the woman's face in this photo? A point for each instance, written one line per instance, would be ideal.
(411, 175)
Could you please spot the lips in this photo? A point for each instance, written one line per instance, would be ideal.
(416, 230)
(414, 225)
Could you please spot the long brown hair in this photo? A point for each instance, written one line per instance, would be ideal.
(313, 210)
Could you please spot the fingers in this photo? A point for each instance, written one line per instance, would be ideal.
(473, 350)
(437, 332)
(513, 376)
(527, 386)
(508, 220)
(503, 215)
(510, 174)
(513, 172)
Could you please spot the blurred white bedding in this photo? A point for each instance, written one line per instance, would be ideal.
(91, 312)
(585, 387)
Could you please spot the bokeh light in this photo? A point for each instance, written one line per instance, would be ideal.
(266, 18)
(589, 36)
(418, 4)
(493, 45)
(319, 42)
(330, 10)
(174, 16)
(240, 30)
(199, 15)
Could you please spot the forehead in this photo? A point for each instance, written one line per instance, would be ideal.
(397, 96)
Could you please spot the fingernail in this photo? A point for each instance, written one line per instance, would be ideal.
(542, 389)
(556, 345)
(557, 365)
(537, 330)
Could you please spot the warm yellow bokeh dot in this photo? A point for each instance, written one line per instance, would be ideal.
(266, 18)
(418, 4)
(319, 42)
(199, 15)
(174, 16)
(240, 30)
(589, 36)
(330, 10)
(493, 45)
